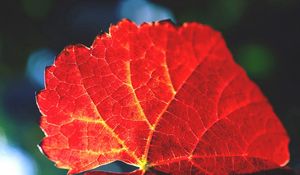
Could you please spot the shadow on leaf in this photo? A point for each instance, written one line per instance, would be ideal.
(278, 171)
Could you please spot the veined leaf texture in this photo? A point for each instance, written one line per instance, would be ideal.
(163, 98)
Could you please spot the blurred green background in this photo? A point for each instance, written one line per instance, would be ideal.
(263, 35)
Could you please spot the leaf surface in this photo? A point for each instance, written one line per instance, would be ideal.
(138, 172)
(160, 97)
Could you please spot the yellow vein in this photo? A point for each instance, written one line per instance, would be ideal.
(146, 152)
(104, 124)
(129, 83)
(145, 156)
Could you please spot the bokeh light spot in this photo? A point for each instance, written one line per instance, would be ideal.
(36, 64)
(14, 161)
(37, 9)
(143, 11)
(258, 60)
(230, 12)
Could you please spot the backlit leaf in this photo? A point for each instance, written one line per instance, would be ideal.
(163, 98)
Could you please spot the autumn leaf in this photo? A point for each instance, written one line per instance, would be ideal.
(137, 172)
(163, 98)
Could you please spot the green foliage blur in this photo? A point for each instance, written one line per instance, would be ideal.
(263, 36)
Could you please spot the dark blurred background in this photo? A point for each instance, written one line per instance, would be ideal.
(263, 35)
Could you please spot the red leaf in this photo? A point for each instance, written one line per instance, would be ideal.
(137, 172)
(161, 98)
